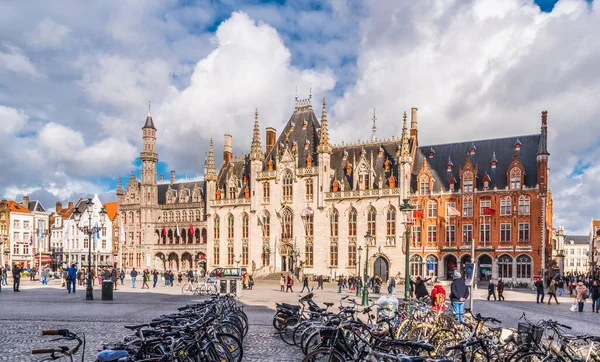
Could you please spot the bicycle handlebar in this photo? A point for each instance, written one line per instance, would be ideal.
(42, 351)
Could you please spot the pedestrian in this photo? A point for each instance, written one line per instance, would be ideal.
(16, 270)
(491, 290)
(71, 278)
(113, 277)
(190, 276)
(246, 281)
(179, 278)
(250, 281)
(420, 288)
(581, 294)
(392, 286)
(320, 282)
(552, 292)
(5, 274)
(146, 277)
(340, 284)
(290, 283)
(539, 285)
(282, 282)
(305, 284)
(122, 276)
(133, 275)
(438, 297)
(500, 290)
(45, 274)
(171, 279)
(459, 292)
(560, 285)
(154, 278)
(595, 292)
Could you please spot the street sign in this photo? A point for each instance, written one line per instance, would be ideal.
(430, 265)
(469, 270)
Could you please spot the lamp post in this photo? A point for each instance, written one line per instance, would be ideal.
(406, 207)
(89, 230)
(238, 261)
(358, 272)
(365, 297)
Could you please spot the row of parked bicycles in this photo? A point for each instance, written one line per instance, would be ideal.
(412, 332)
(210, 331)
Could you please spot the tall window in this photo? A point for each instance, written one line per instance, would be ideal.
(230, 224)
(416, 265)
(266, 221)
(352, 222)
(230, 255)
(216, 251)
(245, 252)
(524, 266)
(505, 266)
(467, 207)
(309, 227)
(371, 216)
(450, 234)
(505, 206)
(352, 254)
(467, 233)
(484, 233)
(524, 205)
(390, 225)
(483, 204)
(309, 250)
(416, 235)
(288, 185)
(334, 218)
(232, 192)
(266, 257)
(287, 224)
(333, 254)
(515, 179)
(467, 182)
(523, 231)
(424, 185)
(266, 192)
(245, 222)
(504, 233)
(309, 189)
(431, 209)
(432, 234)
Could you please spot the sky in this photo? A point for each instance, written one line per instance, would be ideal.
(76, 79)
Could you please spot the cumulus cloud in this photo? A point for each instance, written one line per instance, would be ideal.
(13, 59)
(13, 120)
(48, 34)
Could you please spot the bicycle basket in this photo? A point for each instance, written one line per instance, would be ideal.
(529, 333)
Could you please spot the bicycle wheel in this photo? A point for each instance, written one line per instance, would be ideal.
(233, 344)
(420, 332)
(312, 343)
(535, 357)
(186, 289)
(287, 330)
(324, 355)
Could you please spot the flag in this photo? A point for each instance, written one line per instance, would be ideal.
(488, 211)
(30, 239)
(122, 232)
(40, 229)
(453, 212)
(417, 214)
(191, 229)
(177, 231)
(97, 231)
(165, 230)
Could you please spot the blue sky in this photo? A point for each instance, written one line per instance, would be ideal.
(75, 84)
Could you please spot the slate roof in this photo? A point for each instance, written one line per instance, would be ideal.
(299, 135)
(241, 166)
(149, 122)
(502, 148)
(577, 239)
(36, 206)
(163, 188)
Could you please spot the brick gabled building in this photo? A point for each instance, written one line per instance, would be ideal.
(500, 189)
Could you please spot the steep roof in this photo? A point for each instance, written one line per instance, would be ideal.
(238, 166)
(111, 210)
(164, 187)
(149, 122)
(502, 149)
(36, 206)
(16, 207)
(577, 239)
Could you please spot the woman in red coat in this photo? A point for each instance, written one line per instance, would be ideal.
(438, 296)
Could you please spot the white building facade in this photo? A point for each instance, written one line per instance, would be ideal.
(21, 235)
(576, 251)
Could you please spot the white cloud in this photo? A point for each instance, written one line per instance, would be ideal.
(48, 34)
(12, 120)
(13, 59)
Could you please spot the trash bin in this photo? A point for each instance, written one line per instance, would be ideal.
(107, 290)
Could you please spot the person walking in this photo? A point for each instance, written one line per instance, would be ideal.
(491, 290)
(595, 292)
(45, 274)
(250, 281)
(581, 294)
(5, 271)
(420, 288)
(146, 277)
(320, 282)
(305, 284)
(459, 292)
(392, 286)
(500, 290)
(154, 278)
(438, 297)
(71, 278)
(122, 276)
(290, 283)
(113, 277)
(133, 275)
(552, 292)
(16, 270)
(539, 285)
(282, 283)
(560, 286)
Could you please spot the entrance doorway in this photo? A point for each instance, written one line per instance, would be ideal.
(381, 268)
(286, 258)
(464, 260)
(485, 267)
(450, 265)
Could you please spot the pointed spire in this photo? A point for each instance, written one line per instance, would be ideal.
(256, 148)
(210, 173)
(374, 128)
(324, 146)
(149, 122)
(404, 142)
(119, 187)
(543, 145)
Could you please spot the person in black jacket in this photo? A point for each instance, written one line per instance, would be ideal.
(459, 292)
(539, 285)
(595, 293)
(421, 288)
(491, 290)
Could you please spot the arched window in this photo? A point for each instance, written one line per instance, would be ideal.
(505, 205)
(416, 265)
(266, 222)
(288, 186)
(245, 223)
(524, 266)
(432, 265)
(431, 209)
(335, 186)
(505, 266)
(333, 223)
(216, 227)
(424, 185)
(371, 217)
(352, 253)
(467, 181)
(515, 178)
(230, 224)
(230, 255)
(309, 225)
(287, 224)
(266, 255)
(523, 205)
(390, 223)
(352, 222)
(309, 254)
(309, 189)
(245, 252)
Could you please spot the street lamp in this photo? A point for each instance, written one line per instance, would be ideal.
(90, 230)
(406, 207)
(238, 261)
(365, 297)
(358, 272)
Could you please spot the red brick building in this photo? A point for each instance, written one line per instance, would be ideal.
(498, 191)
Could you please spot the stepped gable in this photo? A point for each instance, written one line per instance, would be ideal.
(500, 149)
(164, 187)
(353, 155)
(300, 135)
(238, 166)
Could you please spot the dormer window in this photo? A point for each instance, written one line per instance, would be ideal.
(335, 186)
(398, 149)
(486, 181)
(386, 165)
(449, 165)
(431, 152)
(363, 153)
(232, 192)
(292, 126)
(392, 182)
(515, 179)
(348, 169)
(294, 146)
(424, 185)
(309, 161)
(467, 182)
(345, 155)
(380, 153)
(270, 165)
(494, 161)
(306, 144)
(517, 145)
(304, 124)
(472, 150)
(452, 184)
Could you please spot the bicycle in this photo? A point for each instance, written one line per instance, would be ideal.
(61, 351)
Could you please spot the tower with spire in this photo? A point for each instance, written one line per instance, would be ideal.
(374, 128)
(149, 158)
(542, 155)
(324, 151)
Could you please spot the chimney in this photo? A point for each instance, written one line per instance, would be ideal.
(162, 177)
(25, 202)
(271, 138)
(58, 207)
(227, 150)
(544, 118)
(71, 207)
(172, 176)
(413, 122)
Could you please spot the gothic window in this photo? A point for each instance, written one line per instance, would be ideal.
(416, 265)
(416, 235)
(184, 215)
(309, 189)
(484, 233)
(467, 180)
(309, 227)
(352, 222)
(266, 258)
(230, 224)
(467, 206)
(287, 224)
(245, 224)
(309, 254)
(177, 216)
(363, 179)
(333, 223)
(523, 205)
(230, 255)
(352, 254)
(335, 186)
(333, 254)
(431, 209)
(424, 185)
(245, 252)
(450, 234)
(524, 266)
(196, 196)
(432, 260)
(505, 205)
(266, 221)
(505, 266)
(288, 184)
(232, 192)
(515, 179)
(266, 192)
(390, 224)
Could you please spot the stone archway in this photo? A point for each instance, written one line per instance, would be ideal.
(287, 257)
(160, 260)
(450, 265)
(173, 262)
(484, 265)
(186, 261)
(381, 268)
(464, 260)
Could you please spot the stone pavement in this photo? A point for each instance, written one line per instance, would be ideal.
(23, 315)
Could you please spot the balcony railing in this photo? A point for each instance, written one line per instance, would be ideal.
(307, 171)
(361, 193)
(264, 175)
(227, 202)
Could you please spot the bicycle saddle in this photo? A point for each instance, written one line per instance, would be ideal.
(328, 304)
(111, 356)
